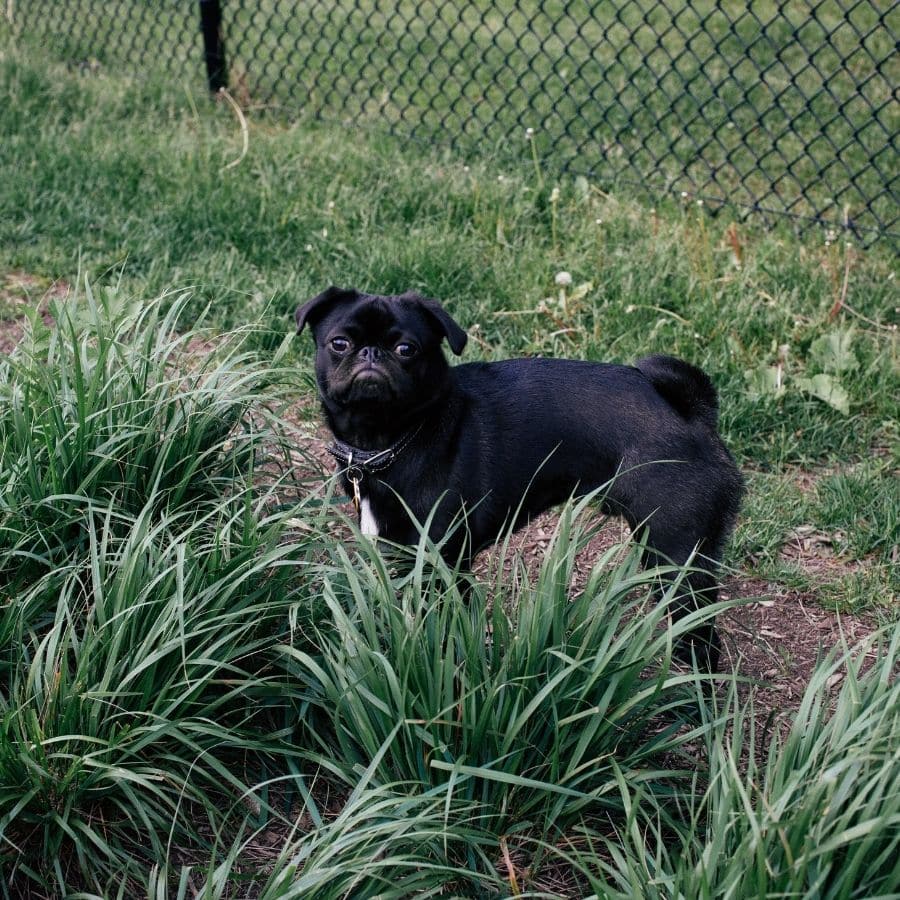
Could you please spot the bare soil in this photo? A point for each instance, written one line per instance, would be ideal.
(20, 294)
(774, 635)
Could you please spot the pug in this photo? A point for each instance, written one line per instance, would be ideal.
(494, 444)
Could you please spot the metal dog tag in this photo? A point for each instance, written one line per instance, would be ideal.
(355, 476)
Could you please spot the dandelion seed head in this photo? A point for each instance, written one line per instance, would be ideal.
(563, 279)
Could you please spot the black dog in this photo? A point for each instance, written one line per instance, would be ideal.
(478, 438)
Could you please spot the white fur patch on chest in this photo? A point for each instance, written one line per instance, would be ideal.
(367, 523)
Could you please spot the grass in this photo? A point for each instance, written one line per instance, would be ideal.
(567, 680)
(205, 693)
(665, 98)
(816, 816)
(154, 207)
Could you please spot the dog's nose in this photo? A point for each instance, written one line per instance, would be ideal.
(372, 354)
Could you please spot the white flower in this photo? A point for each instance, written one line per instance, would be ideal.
(554, 195)
(308, 248)
(331, 204)
(563, 279)
(465, 168)
(529, 133)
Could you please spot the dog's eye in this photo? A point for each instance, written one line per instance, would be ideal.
(405, 350)
(340, 345)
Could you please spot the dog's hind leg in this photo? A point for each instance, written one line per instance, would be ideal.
(678, 543)
(690, 529)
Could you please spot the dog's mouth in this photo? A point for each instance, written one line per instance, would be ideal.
(368, 373)
(369, 383)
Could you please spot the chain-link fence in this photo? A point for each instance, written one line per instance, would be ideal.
(785, 108)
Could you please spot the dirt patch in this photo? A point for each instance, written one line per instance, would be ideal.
(21, 294)
(778, 636)
(775, 635)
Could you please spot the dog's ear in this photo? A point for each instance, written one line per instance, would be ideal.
(456, 336)
(310, 312)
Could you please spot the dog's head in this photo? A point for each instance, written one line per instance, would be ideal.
(379, 354)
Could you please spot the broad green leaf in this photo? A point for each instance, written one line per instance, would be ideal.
(833, 352)
(765, 381)
(827, 388)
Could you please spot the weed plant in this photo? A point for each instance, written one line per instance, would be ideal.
(203, 664)
(98, 418)
(809, 811)
(815, 812)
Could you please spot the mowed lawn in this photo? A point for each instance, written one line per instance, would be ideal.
(770, 105)
(209, 687)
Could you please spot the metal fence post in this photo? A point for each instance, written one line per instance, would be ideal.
(213, 45)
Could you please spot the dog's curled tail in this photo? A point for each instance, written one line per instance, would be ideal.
(684, 387)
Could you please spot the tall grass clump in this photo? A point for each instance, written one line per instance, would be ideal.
(150, 563)
(384, 843)
(113, 409)
(525, 702)
(810, 811)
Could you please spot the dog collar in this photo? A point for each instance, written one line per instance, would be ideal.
(369, 461)
(360, 463)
